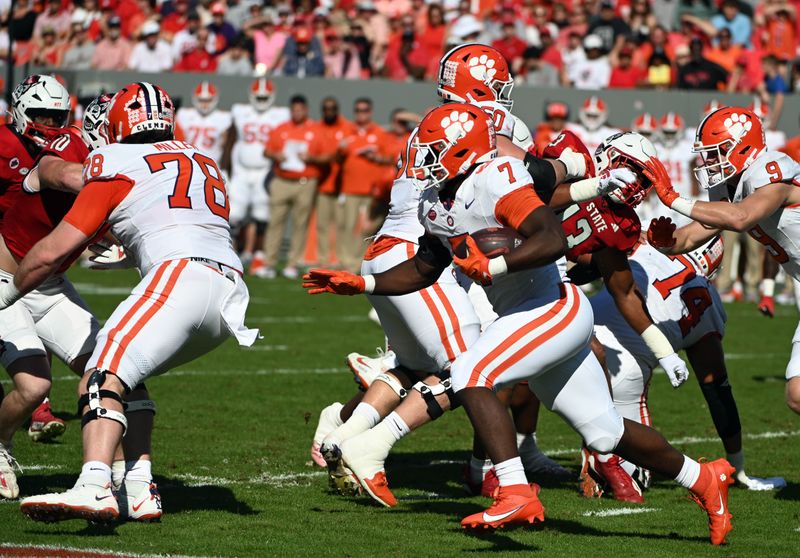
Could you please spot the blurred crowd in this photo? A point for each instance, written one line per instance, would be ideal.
(735, 45)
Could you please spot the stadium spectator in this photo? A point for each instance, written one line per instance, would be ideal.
(135, 15)
(776, 28)
(224, 32)
(571, 54)
(341, 58)
(466, 29)
(430, 41)
(730, 18)
(296, 150)
(624, 75)
(641, 19)
(88, 13)
(699, 72)
(55, 18)
(196, 57)
(364, 48)
(302, 55)
(724, 53)
(22, 22)
(235, 61)
(594, 71)
(511, 46)
(114, 51)
(659, 70)
(151, 53)
(268, 41)
(373, 26)
(608, 26)
(80, 51)
(536, 71)
(550, 51)
(176, 21)
(239, 12)
(48, 51)
(744, 78)
(188, 36)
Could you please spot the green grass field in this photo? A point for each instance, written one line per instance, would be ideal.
(233, 431)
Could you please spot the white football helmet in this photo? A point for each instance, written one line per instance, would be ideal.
(522, 134)
(94, 128)
(262, 94)
(593, 113)
(630, 150)
(40, 96)
(205, 97)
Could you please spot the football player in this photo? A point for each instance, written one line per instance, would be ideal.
(174, 226)
(243, 156)
(775, 139)
(750, 188)
(645, 125)
(203, 124)
(544, 324)
(591, 126)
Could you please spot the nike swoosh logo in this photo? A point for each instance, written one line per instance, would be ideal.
(137, 506)
(103, 498)
(467, 205)
(721, 509)
(488, 518)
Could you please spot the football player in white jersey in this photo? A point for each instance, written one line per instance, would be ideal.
(544, 324)
(775, 139)
(166, 203)
(592, 128)
(203, 124)
(646, 125)
(244, 155)
(750, 188)
(686, 306)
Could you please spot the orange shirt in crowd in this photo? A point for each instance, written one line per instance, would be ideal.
(331, 135)
(291, 139)
(393, 147)
(359, 174)
(792, 148)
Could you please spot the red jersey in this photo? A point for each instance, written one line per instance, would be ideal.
(597, 224)
(15, 163)
(34, 216)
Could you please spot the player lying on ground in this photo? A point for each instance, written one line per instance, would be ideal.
(166, 203)
(750, 189)
(544, 324)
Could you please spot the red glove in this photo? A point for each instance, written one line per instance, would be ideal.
(569, 140)
(657, 174)
(660, 233)
(475, 265)
(319, 281)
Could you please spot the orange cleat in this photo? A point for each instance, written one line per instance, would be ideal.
(378, 488)
(483, 488)
(767, 306)
(711, 493)
(517, 504)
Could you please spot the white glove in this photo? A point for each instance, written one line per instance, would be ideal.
(614, 179)
(9, 294)
(108, 257)
(676, 369)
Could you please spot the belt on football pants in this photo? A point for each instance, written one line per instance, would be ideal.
(216, 266)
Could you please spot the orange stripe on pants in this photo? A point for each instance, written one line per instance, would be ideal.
(448, 308)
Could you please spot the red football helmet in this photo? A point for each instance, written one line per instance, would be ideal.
(451, 139)
(472, 73)
(262, 94)
(567, 139)
(671, 128)
(645, 125)
(728, 140)
(205, 97)
(593, 113)
(140, 107)
(630, 150)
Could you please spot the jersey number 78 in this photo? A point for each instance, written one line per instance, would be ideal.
(213, 187)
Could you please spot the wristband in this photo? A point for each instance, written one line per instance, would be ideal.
(574, 162)
(657, 342)
(498, 266)
(28, 184)
(584, 190)
(683, 206)
(9, 293)
(369, 283)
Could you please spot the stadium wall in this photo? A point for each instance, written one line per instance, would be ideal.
(623, 104)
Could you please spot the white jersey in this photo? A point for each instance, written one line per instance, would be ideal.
(779, 232)
(473, 209)
(592, 138)
(177, 207)
(252, 132)
(501, 117)
(775, 139)
(205, 131)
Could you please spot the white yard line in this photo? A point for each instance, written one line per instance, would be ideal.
(618, 511)
(267, 348)
(276, 480)
(307, 319)
(79, 551)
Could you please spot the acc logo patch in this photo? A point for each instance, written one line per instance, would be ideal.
(13, 163)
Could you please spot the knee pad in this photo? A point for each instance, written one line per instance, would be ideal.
(603, 433)
(261, 227)
(393, 383)
(429, 394)
(94, 399)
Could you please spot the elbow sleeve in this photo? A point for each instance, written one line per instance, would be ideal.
(544, 176)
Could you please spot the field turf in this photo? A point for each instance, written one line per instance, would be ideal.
(233, 431)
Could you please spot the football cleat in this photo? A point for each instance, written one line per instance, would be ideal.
(736, 294)
(366, 369)
(517, 504)
(710, 492)
(329, 420)
(620, 483)
(364, 455)
(484, 488)
(91, 502)
(590, 483)
(290, 273)
(767, 306)
(340, 478)
(44, 426)
(139, 501)
(759, 484)
(8, 474)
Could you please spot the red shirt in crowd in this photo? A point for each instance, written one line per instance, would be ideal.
(626, 78)
(196, 60)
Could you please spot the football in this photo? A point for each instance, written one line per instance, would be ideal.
(494, 241)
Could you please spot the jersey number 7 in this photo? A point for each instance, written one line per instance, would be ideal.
(213, 185)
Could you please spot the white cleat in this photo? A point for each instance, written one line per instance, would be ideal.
(366, 369)
(329, 420)
(340, 478)
(364, 456)
(91, 502)
(139, 501)
(8, 474)
(759, 484)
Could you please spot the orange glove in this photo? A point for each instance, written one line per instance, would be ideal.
(660, 233)
(656, 173)
(319, 281)
(475, 265)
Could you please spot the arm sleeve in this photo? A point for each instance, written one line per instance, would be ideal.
(544, 176)
(513, 208)
(433, 253)
(96, 202)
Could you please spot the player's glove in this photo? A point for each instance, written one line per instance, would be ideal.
(477, 266)
(676, 369)
(9, 293)
(108, 256)
(318, 281)
(660, 235)
(614, 179)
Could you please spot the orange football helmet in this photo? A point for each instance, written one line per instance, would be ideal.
(593, 113)
(451, 139)
(472, 73)
(645, 124)
(140, 107)
(671, 128)
(728, 140)
(205, 97)
(262, 94)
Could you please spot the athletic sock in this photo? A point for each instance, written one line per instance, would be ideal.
(604, 457)
(139, 470)
(369, 412)
(737, 460)
(396, 425)
(117, 472)
(359, 421)
(690, 474)
(510, 472)
(94, 472)
(768, 287)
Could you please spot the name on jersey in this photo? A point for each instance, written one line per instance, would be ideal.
(597, 218)
(172, 145)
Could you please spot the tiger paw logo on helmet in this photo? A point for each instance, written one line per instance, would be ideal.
(738, 124)
(481, 67)
(456, 125)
